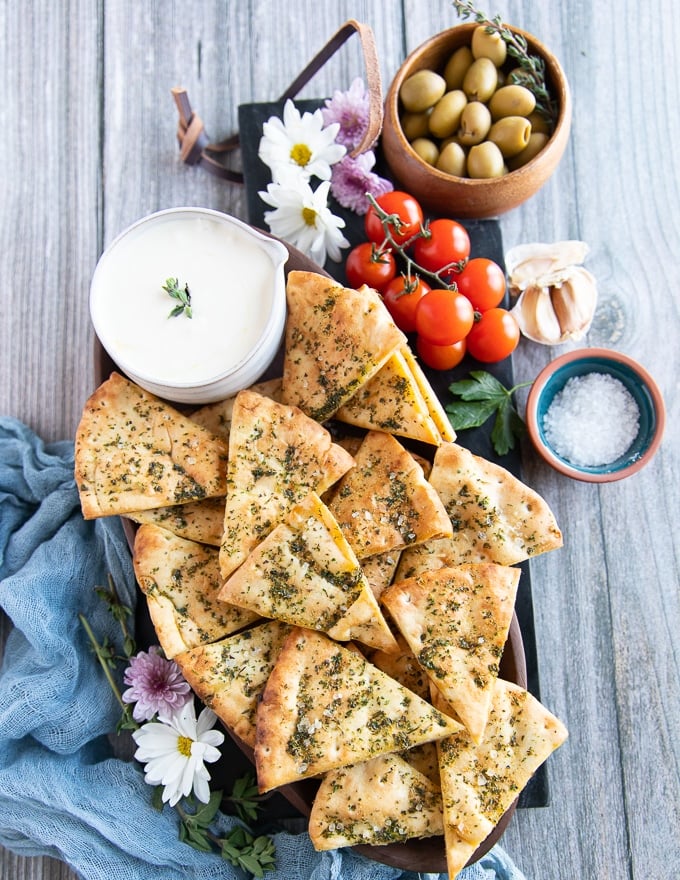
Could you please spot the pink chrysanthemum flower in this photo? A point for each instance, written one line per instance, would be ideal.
(350, 110)
(157, 686)
(352, 178)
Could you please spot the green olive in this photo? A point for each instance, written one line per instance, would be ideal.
(485, 160)
(486, 45)
(475, 122)
(422, 90)
(415, 124)
(457, 66)
(426, 149)
(510, 134)
(480, 80)
(452, 160)
(536, 143)
(446, 113)
(539, 123)
(512, 101)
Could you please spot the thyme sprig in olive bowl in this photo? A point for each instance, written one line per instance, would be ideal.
(445, 187)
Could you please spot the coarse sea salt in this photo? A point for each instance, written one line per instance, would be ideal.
(592, 421)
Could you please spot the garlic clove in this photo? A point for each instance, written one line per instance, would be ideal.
(542, 264)
(536, 316)
(574, 302)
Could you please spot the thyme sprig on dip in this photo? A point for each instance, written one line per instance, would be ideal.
(173, 289)
(531, 73)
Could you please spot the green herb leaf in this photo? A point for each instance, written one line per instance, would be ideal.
(469, 414)
(480, 397)
(172, 288)
(245, 798)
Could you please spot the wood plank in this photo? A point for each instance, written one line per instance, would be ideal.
(89, 122)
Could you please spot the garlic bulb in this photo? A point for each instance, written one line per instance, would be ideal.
(557, 296)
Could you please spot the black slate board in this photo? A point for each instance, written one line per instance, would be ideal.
(486, 241)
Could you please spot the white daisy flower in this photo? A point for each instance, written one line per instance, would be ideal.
(300, 143)
(175, 750)
(302, 218)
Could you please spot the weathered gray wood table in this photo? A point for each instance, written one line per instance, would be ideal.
(88, 146)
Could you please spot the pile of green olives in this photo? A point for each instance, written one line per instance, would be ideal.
(471, 119)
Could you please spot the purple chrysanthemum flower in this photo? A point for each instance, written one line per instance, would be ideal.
(350, 110)
(352, 178)
(156, 685)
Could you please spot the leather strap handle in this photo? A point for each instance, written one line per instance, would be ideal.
(196, 148)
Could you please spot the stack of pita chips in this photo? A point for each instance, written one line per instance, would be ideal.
(342, 605)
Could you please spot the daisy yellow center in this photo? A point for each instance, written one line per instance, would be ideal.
(184, 744)
(309, 216)
(301, 154)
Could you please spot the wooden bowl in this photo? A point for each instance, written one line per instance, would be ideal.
(445, 194)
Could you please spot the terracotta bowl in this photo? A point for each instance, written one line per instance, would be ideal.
(644, 390)
(444, 194)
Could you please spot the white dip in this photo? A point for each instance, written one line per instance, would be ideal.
(592, 421)
(231, 282)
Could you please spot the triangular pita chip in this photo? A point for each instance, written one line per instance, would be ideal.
(325, 707)
(392, 401)
(134, 452)
(336, 339)
(385, 503)
(277, 455)
(495, 517)
(181, 580)
(384, 800)
(434, 406)
(230, 675)
(201, 521)
(480, 782)
(305, 573)
(216, 417)
(456, 621)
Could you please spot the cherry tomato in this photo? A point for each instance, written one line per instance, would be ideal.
(494, 336)
(483, 282)
(406, 208)
(440, 357)
(444, 316)
(367, 265)
(401, 296)
(448, 243)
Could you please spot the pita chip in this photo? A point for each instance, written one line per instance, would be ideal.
(305, 573)
(325, 707)
(181, 580)
(392, 402)
(277, 455)
(384, 800)
(200, 521)
(216, 417)
(385, 503)
(495, 517)
(456, 622)
(229, 675)
(480, 782)
(336, 340)
(134, 452)
(437, 412)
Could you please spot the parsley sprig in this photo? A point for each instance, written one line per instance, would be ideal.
(480, 397)
(531, 73)
(172, 288)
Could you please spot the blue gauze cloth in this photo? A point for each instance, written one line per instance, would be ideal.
(63, 793)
